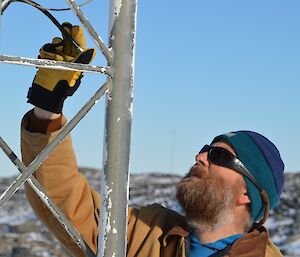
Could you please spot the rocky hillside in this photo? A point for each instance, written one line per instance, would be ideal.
(22, 235)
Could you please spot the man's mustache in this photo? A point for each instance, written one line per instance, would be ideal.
(197, 171)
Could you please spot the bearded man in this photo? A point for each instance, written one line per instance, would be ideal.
(224, 201)
(226, 195)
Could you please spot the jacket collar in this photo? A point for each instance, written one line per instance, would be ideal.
(177, 231)
(252, 244)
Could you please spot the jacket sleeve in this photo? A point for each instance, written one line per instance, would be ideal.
(69, 190)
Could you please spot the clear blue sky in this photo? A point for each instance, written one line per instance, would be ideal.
(202, 68)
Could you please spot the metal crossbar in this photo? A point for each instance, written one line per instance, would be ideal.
(42, 63)
(97, 39)
(118, 88)
(26, 172)
(38, 189)
(33, 166)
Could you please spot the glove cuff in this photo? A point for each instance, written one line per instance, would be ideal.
(43, 98)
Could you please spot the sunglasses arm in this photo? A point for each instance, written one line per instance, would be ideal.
(263, 193)
(246, 172)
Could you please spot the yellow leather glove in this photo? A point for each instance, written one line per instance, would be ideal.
(51, 87)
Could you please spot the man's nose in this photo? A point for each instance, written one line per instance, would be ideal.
(202, 157)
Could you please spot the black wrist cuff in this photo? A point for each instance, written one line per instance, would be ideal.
(52, 101)
(45, 99)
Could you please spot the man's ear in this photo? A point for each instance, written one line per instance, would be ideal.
(243, 199)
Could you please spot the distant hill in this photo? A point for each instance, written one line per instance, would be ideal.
(21, 234)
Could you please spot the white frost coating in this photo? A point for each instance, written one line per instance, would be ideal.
(108, 226)
(115, 7)
(103, 216)
(109, 206)
(133, 63)
(51, 64)
(118, 5)
(108, 97)
(131, 108)
(105, 222)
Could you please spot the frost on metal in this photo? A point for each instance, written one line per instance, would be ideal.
(115, 9)
(106, 205)
(50, 64)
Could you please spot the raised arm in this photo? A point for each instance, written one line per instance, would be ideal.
(59, 172)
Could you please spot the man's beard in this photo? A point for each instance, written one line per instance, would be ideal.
(207, 200)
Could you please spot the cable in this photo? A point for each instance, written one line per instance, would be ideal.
(52, 18)
(59, 9)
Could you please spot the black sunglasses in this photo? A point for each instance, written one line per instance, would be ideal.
(222, 157)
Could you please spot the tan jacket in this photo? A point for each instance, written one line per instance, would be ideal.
(152, 230)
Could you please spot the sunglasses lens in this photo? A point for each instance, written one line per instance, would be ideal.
(219, 156)
(204, 149)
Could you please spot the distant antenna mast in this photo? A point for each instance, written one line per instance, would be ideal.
(173, 145)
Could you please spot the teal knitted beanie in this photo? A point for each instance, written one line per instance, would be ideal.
(263, 160)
